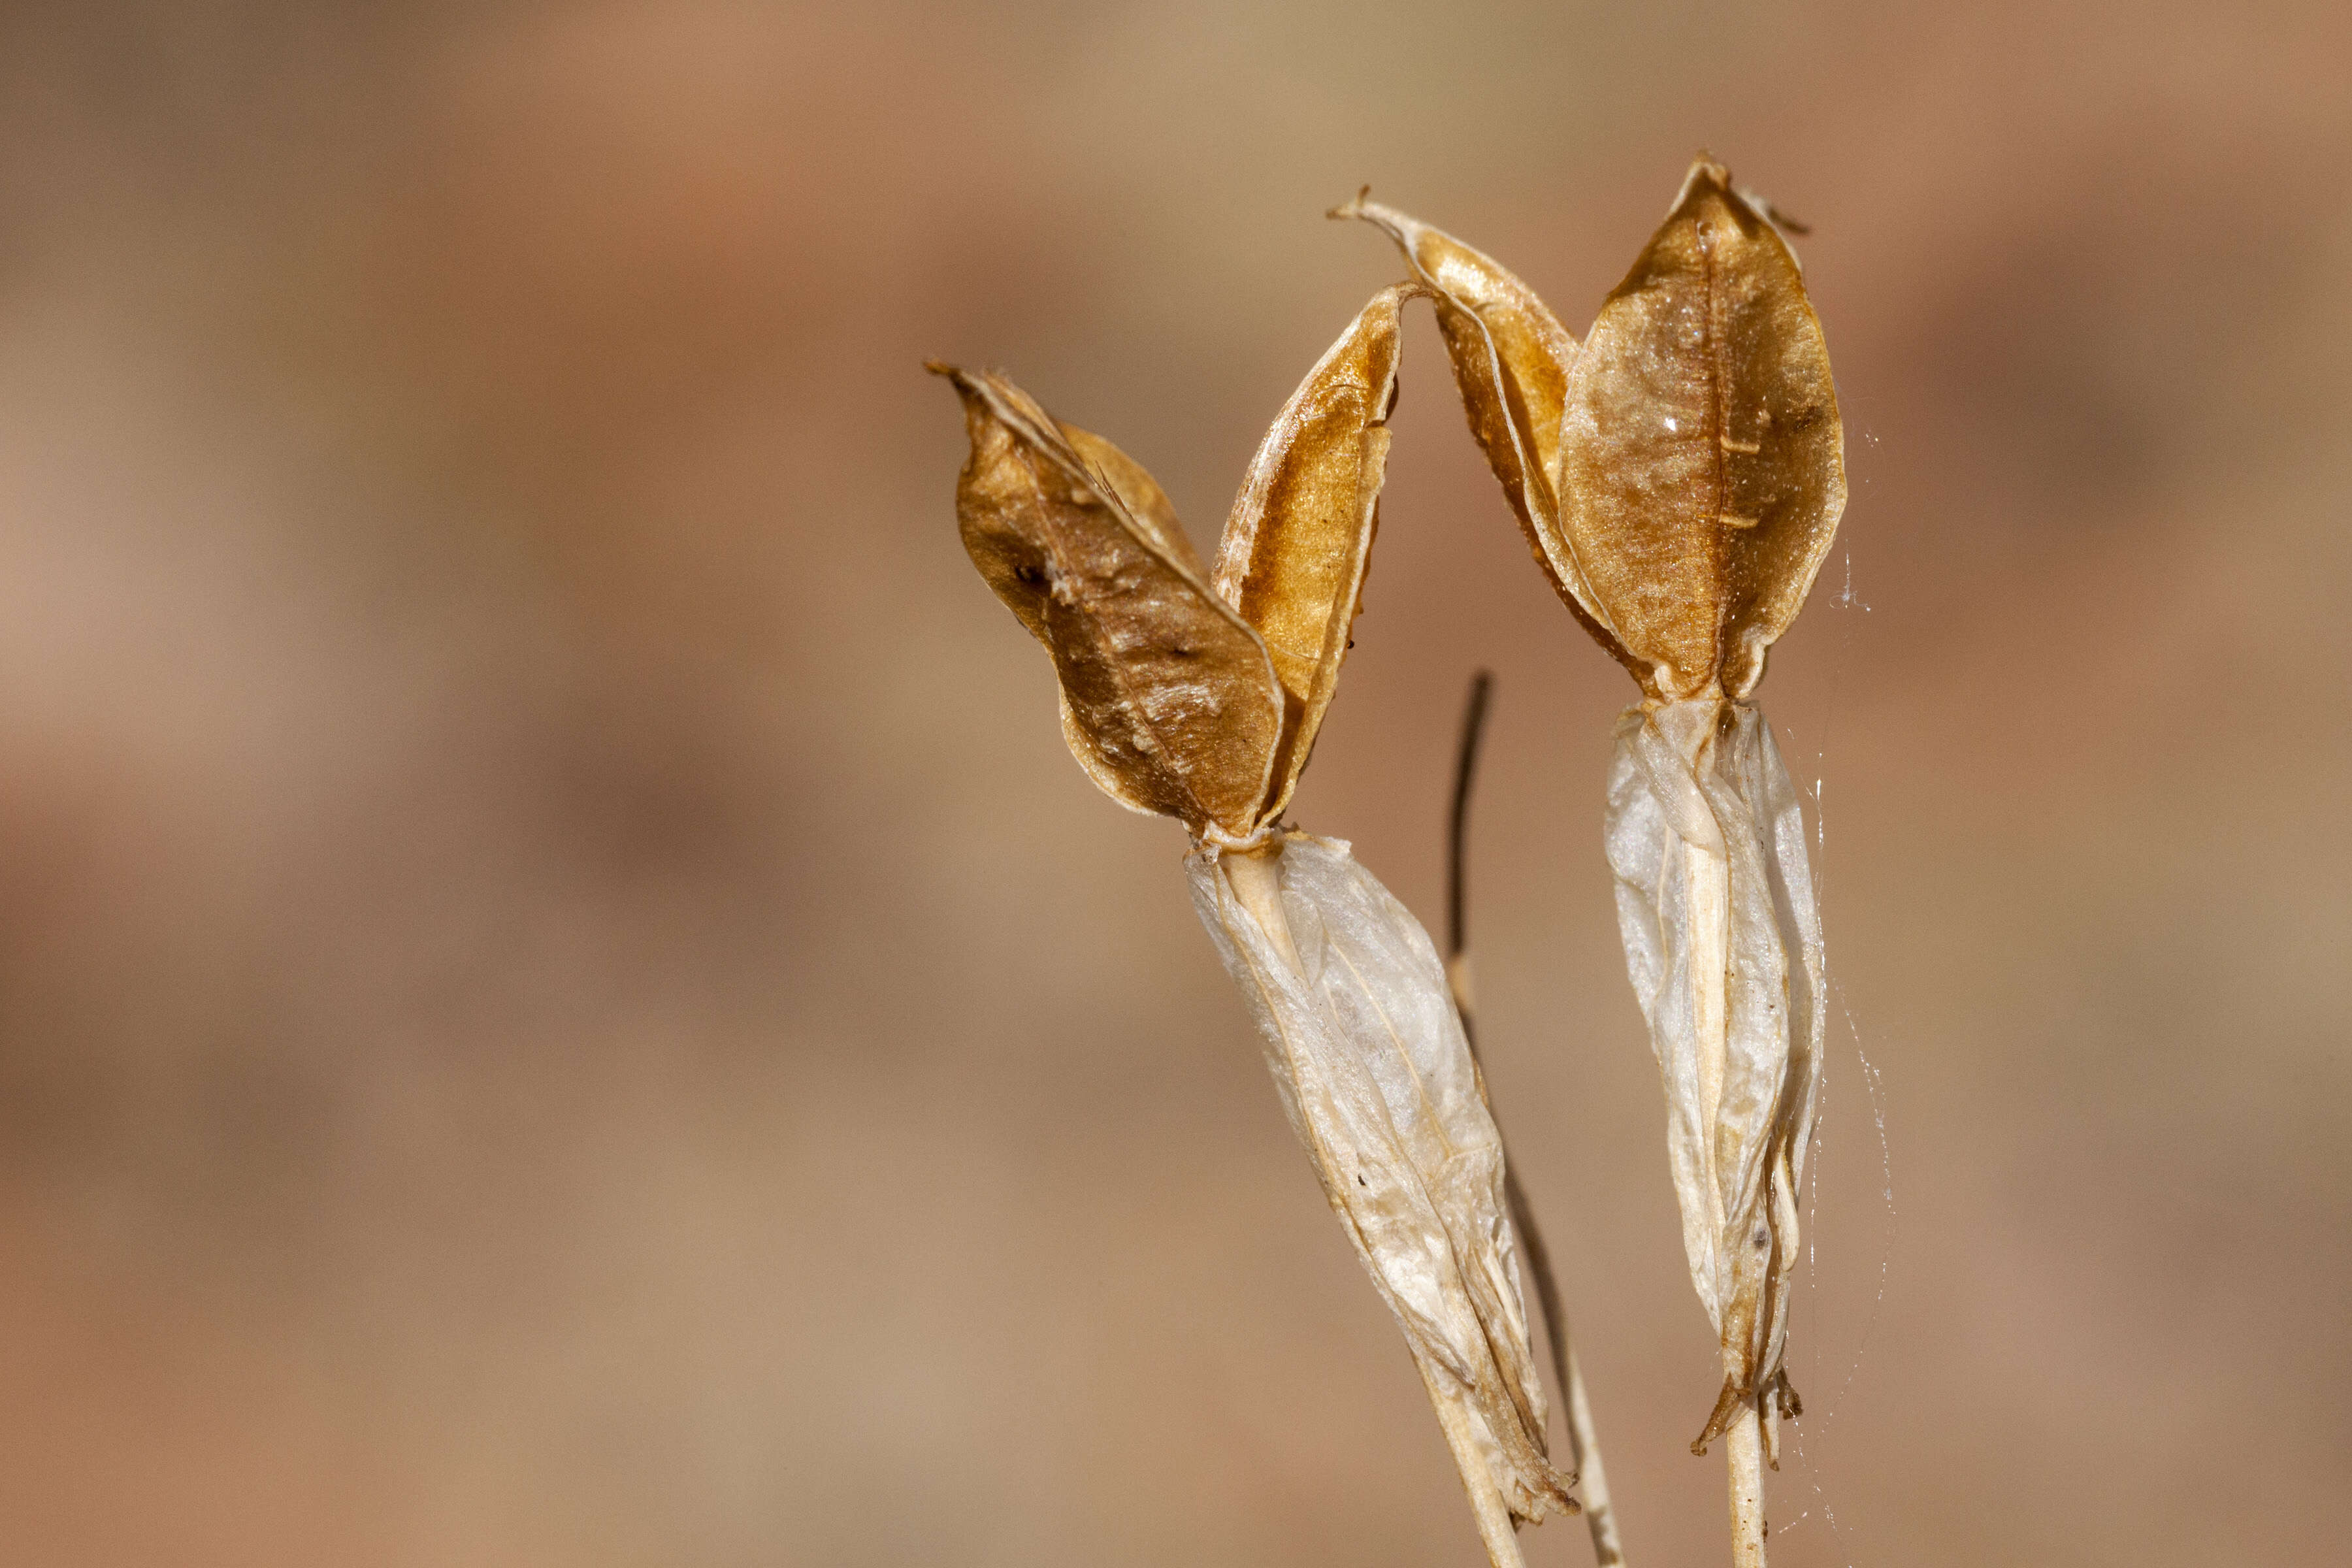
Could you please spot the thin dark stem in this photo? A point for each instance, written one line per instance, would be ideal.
(1607, 1549)
(1457, 940)
(1457, 830)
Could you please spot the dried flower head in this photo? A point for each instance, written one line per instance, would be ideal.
(1198, 698)
(1195, 697)
(1680, 477)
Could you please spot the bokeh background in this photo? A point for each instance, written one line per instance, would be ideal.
(563, 1003)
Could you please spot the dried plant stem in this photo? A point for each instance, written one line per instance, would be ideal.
(1598, 1514)
(1710, 955)
(1584, 1443)
(1745, 1445)
(1487, 1505)
(1709, 891)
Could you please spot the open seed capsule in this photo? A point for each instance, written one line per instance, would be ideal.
(1200, 698)
(1681, 475)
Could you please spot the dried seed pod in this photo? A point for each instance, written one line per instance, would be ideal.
(1702, 466)
(1696, 482)
(1300, 536)
(1169, 701)
(1367, 1049)
(1202, 700)
(1510, 354)
(1691, 455)
(1195, 701)
(1511, 361)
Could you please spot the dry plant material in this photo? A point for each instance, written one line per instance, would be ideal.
(1584, 1443)
(1198, 695)
(1680, 477)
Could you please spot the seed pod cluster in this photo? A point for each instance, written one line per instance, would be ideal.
(1193, 695)
(1198, 697)
(1680, 476)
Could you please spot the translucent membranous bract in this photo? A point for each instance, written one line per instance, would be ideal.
(1364, 1043)
(1723, 941)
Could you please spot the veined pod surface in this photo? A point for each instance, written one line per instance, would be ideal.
(1723, 943)
(1681, 474)
(1184, 696)
(1702, 466)
(1368, 1057)
(1168, 699)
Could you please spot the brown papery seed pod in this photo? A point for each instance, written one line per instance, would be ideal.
(1299, 539)
(1511, 360)
(1682, 473)
(1169, 700)
(1195, 700)
(1702, 466)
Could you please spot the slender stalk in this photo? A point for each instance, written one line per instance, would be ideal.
(1494, 1515)
(1709, 891)
(1457, 818)
(1744, 1445)
(1584, 1443)
(1608, 1548)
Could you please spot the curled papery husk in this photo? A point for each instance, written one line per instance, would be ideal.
(1511, 360)
(1702, 462)
(1723, 940)
(1299, 539)
(1367, 1054)
(1681, 475)
(1169, 700)
(1192, 698)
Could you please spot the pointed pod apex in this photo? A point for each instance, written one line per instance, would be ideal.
(1705, 173)
(1708, 174)
(1406, 231)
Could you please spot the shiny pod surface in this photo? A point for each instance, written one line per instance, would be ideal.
(1680, 474)
(1702, 466)
(1168, 699)
(1191, 699)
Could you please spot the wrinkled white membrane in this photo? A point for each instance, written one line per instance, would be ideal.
(1714, 900)
(1368, 1053)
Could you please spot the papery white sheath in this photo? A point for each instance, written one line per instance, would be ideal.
(1723, 941)
(1377, 1078)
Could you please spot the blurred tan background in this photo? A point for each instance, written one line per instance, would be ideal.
(561, 1002)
